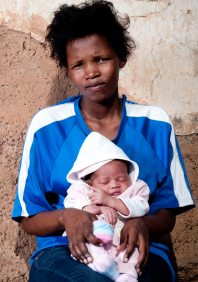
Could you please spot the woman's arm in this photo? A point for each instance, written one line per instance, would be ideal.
(138, 231)
(78, 224)
(44, 223)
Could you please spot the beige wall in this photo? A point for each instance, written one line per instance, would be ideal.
(164, 68)
(162, 72)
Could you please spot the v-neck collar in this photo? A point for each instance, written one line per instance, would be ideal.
(84, 125)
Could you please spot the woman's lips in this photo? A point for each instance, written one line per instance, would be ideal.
(95, 86)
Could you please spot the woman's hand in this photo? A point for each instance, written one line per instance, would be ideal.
(110, 214)
(135, 233)
(79, 227)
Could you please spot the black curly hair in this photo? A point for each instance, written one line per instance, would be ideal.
(92, 17)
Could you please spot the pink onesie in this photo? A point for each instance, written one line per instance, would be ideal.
(135, 198)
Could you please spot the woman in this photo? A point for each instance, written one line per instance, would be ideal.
(92, 43)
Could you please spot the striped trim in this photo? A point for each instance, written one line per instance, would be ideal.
(180, 187)
(42, 118)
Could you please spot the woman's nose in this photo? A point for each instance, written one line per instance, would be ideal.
(91, 71)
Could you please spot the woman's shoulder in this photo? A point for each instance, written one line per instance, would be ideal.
(54, 113)
(148, 111)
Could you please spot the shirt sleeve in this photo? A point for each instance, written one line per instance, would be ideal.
(76, 197)
(138, 204)
(30, 197)
(173, 190)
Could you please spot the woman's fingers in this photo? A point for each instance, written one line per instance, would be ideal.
(78, 248)
(121, 247)
(75, 251)
(143, 254)
(134, 234)
(88, 232)
(129, 249)
(79, 228)
(129, 240)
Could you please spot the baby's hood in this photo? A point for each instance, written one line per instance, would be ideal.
(96, 151)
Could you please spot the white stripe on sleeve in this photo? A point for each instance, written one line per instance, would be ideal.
(181, 190)
(43, 118)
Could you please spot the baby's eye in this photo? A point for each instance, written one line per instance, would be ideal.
(103, 182)
(122, 179)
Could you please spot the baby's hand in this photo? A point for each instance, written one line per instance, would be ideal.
(99, 197)
(110, 214)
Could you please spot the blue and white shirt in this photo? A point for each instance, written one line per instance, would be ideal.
(52, 143)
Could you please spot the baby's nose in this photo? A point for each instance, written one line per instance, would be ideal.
(115, 184)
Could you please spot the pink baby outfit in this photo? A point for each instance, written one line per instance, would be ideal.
(90, 158)
(78, 197)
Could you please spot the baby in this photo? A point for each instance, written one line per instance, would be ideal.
(104, 182)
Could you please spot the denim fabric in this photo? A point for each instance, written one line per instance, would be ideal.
(157, 270)
(56, 265)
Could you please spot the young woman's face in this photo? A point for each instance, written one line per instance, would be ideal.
(112, 178)
(94, 66)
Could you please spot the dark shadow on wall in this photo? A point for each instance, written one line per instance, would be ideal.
(62, 88)
(25, 246)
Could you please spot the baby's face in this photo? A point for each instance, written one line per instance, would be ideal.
(112, 178)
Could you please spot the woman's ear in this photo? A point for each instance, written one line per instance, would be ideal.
(89, 182)
(122, 63)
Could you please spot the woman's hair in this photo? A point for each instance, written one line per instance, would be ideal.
(92, 17)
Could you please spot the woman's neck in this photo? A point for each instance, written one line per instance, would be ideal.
(99, 111)
(104, 117)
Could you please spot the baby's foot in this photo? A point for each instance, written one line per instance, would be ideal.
(125, 277)
(105, 265)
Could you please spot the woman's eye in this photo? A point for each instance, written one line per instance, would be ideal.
(101, 60)
(77, 66)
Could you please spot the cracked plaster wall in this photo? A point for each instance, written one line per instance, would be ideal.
(163, 71)
(164, 68)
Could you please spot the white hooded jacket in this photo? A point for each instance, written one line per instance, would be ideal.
(96, 151)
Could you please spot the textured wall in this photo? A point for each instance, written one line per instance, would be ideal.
(164, 69)
(30, 80)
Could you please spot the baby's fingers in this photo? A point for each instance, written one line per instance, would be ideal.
(108, 217)
(94, 189)
(114, 219)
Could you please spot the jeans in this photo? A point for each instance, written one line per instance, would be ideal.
(56, 264)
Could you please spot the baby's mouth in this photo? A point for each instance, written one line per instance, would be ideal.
(115, 194)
